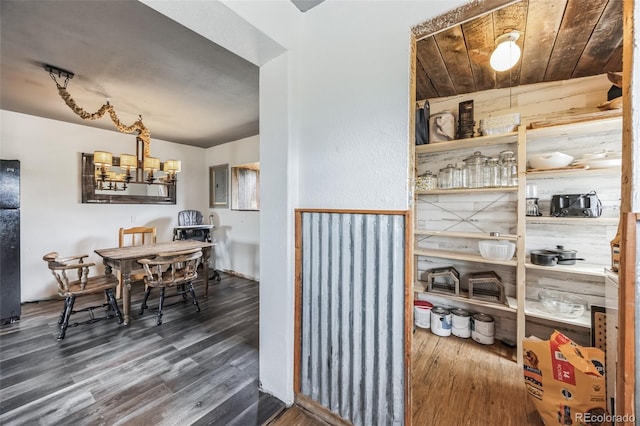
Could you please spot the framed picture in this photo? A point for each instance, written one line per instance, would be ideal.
(219, 186)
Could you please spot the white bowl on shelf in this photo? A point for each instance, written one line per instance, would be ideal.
(550, 160)
(496, 249)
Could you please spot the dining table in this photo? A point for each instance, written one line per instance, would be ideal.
(125, 259)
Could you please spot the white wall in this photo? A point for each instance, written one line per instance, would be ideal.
(52, 215)
(237, 233)
(334, 125)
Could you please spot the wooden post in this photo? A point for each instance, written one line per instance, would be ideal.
(629, 203)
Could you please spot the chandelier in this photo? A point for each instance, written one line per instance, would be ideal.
(138, 168)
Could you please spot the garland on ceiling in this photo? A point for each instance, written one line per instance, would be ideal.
(143, 132)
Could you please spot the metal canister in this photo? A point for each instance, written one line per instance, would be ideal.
(482, 329)
(461, 323)
(440, 321)
(422, 313)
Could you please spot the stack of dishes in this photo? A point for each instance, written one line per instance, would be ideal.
(600, 160)
(549, 160)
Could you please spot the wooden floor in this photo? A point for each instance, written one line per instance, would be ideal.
(196, 368)
(202, 368)
(456, 382)
(461, 382)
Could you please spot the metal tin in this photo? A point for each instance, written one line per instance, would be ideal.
(482, 329)
(422, 313)
(461, 323)
(440, 321)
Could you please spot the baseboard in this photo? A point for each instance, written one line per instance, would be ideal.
(322, 413)
(238, 274)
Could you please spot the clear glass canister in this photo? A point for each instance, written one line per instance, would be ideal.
(475, 169)
(505, 167)
(426, 181)
(445, 177)
(509, 173)
(492, 173)
(505, 155)
(458, 179)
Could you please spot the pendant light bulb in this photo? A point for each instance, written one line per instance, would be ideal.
(507, 52)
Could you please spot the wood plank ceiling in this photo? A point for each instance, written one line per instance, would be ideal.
(560, 39)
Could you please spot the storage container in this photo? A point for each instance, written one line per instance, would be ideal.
(461, 323)
(482, 329)
(422, 313)
(441, 321)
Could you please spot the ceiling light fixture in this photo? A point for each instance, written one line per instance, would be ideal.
(507, 52)
(134, 166)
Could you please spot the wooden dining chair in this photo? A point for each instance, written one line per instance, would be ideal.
(136, 236)
(176, 269)
(85, 285)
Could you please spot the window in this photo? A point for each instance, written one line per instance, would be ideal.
(245, 187)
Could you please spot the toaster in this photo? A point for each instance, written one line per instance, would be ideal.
(576, 205)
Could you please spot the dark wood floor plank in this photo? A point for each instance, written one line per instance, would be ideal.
(195, 367)
(228, 410)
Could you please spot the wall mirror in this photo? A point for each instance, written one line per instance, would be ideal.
(219, 186)
(245, 187)
(116, 191)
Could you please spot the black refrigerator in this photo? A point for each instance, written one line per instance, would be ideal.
(9, 241)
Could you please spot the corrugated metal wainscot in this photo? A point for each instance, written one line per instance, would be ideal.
(352, 277)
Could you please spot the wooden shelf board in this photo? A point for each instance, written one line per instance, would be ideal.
(536, 310)
(474, 235)
(596, 221)
(470, 257)
(578, 268)
(601, 122)
(573, 172)
(466, 190)
(480, 141)
(421, 286)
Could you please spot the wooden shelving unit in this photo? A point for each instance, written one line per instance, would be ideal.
(526, 227)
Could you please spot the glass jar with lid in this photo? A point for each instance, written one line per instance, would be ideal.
(492, 173)
(509, 173)
(445, 177)
(426, 181)
(475, 169)
(459, 179)
(505, 155)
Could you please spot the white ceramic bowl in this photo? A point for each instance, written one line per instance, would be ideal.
(550, 160)
(497, 249)
(561, 304)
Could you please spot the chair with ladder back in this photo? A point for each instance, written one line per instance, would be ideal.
(84, 285)
(138, 235)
